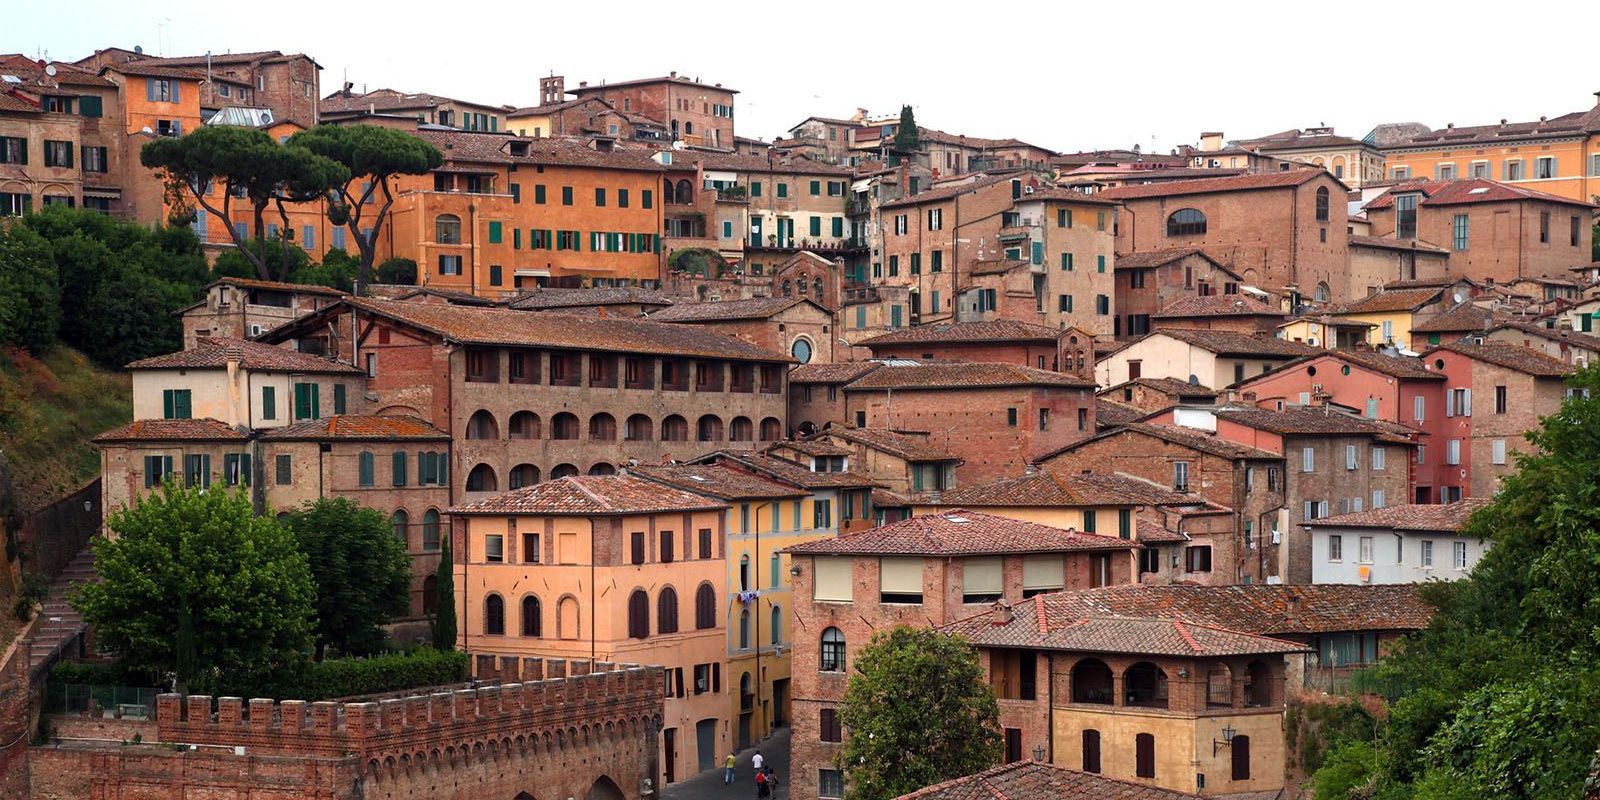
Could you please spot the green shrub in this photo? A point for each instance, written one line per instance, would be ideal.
(1349, 767)
(345, 677)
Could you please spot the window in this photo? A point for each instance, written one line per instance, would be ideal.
(830, 783)
(1513, 170)
(197, 470)
(447, 229)
(1459, 229)
(1497, 451)
(636, 547)
(821, 514)
(1144, 755)
(1350, 458)
(1091, 751)
(1241, 758)
(365, 469)
(900, 580)
(1427, 553)
(1575, 235)
(1365, 555)
(1418, 405)
(1452, 452)
(599, 197)
(1335, 547)
(1444, 172)
(1379, 500)
(1180, 476)
(283, 469)
(775, 625)
(1186, 222)
(94, 159)
(1459, 553)
(176, 404)
(832, 651)
(494, 548)
(494, 616)
(57, 154)
(981, 579)
(1308, 459)
(1197, 558)
(704, 535)
(236, 469)
(1544, 227)
(705, 607)
(638, 615)
(430, 531)
(1405, 216)
(1322, 204)
(306, 404)
(532, 617)
(13, 150)
(828, 725)
(566, 195)
(1044, 419)
(1544, 167)
(1379, 459)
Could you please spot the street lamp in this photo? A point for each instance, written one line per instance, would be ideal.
(1227, 740)
(1038, 753)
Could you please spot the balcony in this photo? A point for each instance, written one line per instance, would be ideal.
(733, 194)
(860, 294)
(814, 245)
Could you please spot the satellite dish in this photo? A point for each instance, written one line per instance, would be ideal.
(50, 70)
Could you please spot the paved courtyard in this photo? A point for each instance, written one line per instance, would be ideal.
(708, 785)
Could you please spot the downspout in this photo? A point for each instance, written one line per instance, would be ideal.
(1050, 705)
(592, 598)
(472, 246)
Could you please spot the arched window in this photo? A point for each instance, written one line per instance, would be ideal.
(365, 467)
(637, 428)
(746, 693)
(688, 128)
(744, 573)
(666, 183)
(602, 428)
(744, 629)
(802, 286)
(705, 607)
(788, 287)
(482, 426)
(563, 471)
(564, 426)
(638, 615)
(568, 621)
(1219, 686)
(1322, 294)
(771, 429)
(402, 527)
(522, 476)
(832, 650)
(1186, 222)
(1145, 684)
(777, 625)
(801, 350)
(1144, 756)
(667, 611)
(532, 617)
(524, 425)
(1091, 682)
(603, 468)
(494, 616)
(816, 288)
(741, 430)
(430, 530)
(685, 192)
(447, 229)
(674, 429)
(1257, 685)
(430, 594)
(1091, 751)
(1322, 204)
(1241, 757)
(482, 479)
(709, 428)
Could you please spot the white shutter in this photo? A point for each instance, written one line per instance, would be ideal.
(1322, 509)
(1449, 402)
(1378, 498)
(1497, 451)
(1308, 459)
(1466, 402)
(981, 576)
(1043, 572)
(1311, 509)
(835, 578)
(1419, 405)
(1379, 458)
(900, 575)
(1349, 456)
(1357, 504)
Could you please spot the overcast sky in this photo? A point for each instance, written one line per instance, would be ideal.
(1154, 73)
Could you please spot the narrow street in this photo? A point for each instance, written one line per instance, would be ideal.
(708, 785)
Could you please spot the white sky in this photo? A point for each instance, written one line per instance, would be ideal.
(1156, 73)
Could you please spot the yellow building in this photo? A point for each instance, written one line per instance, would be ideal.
(1392, 313)
(1559, 155)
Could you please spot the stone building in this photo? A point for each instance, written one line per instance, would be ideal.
(1376, 261)
(783, 324)
(1215, 358)
(1000, 341)
(1069, 240)
(240, 308)
(61, 138)
(1155, 394)
(289, 85)
(695, 113)
(816, 396)
(245, 383)
(927, 570)
(1147, 282)
(607, 568)
(904, 462)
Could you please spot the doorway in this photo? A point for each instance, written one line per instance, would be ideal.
(669, 745)
(705, 735)
(780, 702)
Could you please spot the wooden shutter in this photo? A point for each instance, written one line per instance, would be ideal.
(1091, 751)
(338, 398)
(168, 403)
(1145, 756)
(1241, 758)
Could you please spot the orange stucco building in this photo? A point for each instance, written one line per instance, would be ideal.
(613, 568)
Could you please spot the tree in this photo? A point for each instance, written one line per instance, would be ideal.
(196, 585)
(444, 612)
(360, 569)
(399, 271)
(30, 301)
(371, 156)
(251, 165)
(919, 712)
(907, 139)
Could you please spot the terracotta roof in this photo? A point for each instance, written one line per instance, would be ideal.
(741, 162)
(728, 310)
(1236, 183)
(1217, 305)
(386, 100)
(17, 104)
(842, 372)
(1461, 318)
(150, 69)
(595, 88)
(554, 107)
(591, 495)
(510, 328)
(600, 296)
(945, 192)
(278, 286)
(211, 352)
(1159, 258)
(1468, 190)
(1045, 488)
(1231, 343)
(1583, 340)
(813, 447)
(1309, 421)
(496, 148)
(1263, 609)
(1150, 531)
(1574, 123)
(358, 427)
(1409, 367)
(1447, 518)
(963, 375)
(995, 266)
(1296, 139)
(1034, 780)
(716, 480)
(1185, 437)
(1110, 414)
(786, 470)
(1060, 194)
(896, 443)
(963, 332)
(455, 296)
(1357, 240)
(1171, 386)
(1039, 623)
(1510, 356)
(165, 430)
(959, 532)
(1393, 300)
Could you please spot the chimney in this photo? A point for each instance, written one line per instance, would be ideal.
(1000, 613)
(1210, 141)
(236, 396)
(672, 74)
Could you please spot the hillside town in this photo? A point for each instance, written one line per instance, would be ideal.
(675, 429)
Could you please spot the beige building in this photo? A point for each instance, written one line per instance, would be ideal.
(245, 384)
(1354, 161)
(1213, 358)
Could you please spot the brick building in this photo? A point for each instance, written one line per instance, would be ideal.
(927, 570)
(605, 301)
(531, 564)
(1572, 347)
(1494, 230)
(1069, 240)
(1000, 417)
(1376, 261)
(1147, 282)
(1285, 232)
(1239, 313)
(793, 325)
(1215, 358)
(244, 383)
(695, 113)
(1247, 480)
(816, 396)
(532, 396)
(1155, 394)
(345, 106)
(238, 308)
(61, 138)
(1355, 162)
(289, 85)
(903, 462)
(1000, 341)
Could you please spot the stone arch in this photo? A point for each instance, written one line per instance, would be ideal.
(569, 624)
(1145, 684)
(709, 428)
(674, 429)
(741, 429)
(482, 425)
(602, 427)
(521, 476)
(524, 425)
(603, 468)
(771, 429)
(638, 428)
(1092, 682)
(605, 789)
(482, 479)
(560, 471)
(564, 426)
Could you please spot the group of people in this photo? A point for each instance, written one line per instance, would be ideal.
(766, 779)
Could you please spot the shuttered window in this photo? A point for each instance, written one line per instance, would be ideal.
(981, 580)
(176, 404)
(900, 580)
(307, 403)
(366, 469)
(638, 615)
(397, 468)
(1042, 573)
(156, 469)
(269, 402)
(834, 579)
(1144, 755)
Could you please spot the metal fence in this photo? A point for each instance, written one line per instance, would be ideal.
(121, 702)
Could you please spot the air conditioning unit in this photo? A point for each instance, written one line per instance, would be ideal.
(1027, 190)
(1312, 340)
(255, 330)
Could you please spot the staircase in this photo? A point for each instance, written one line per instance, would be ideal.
(59, 623)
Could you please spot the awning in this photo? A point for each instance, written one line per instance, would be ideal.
(532, 273)
(91, 191)
(719, 175)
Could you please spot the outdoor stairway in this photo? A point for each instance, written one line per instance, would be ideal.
(59, 622)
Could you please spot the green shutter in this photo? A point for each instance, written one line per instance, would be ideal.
(167, 404)
(399, 468)
(816, 188)
(366, 469)
(89, 106)
(838, 226)
(269, 402)
(244, 469)
(494, 233)
(516, 238)
(422, 469)
(1100, 266)
(338, 398)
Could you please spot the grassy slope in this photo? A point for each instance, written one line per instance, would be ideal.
(50, 408)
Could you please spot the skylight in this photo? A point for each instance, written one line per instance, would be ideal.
(1479, 190)
(10, 79)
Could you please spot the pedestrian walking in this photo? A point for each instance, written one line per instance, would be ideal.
(763, 787)
(758, 760)
(727, 768)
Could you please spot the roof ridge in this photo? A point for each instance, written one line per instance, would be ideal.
(601, 501)
(1183, 631)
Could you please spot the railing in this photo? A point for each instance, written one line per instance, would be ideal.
(111, 702)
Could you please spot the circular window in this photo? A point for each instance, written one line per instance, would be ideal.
(1344, 370)
(1312, 371)
(1438, 363)
(801, 350)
